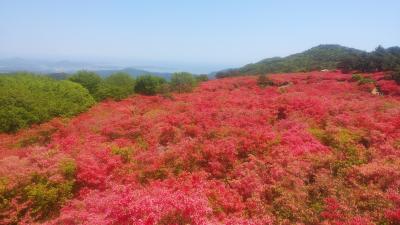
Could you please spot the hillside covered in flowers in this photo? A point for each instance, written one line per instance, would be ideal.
(313, 148)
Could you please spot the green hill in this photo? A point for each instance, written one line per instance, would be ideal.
(316, 58)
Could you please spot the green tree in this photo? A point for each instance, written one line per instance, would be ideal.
(26, 99)
(88, 80)
(182, 82)
(117, 86)
(202, 78)
(148, 84)
(396, 75)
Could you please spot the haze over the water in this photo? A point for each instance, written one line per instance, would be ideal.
(198, 36)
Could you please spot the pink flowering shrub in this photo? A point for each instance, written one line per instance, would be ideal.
(389, 87)
(158, 203)
(314, 148)
(33, 188)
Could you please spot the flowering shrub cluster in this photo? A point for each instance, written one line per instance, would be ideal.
(313, 148)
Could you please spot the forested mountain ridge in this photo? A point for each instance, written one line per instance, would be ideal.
(317, 58)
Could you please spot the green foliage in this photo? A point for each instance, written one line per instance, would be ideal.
(324, 57)
(182, 82)
(148, 84)
(58, 76)
(379, 60)
(202, 78)
(366, 81)
(41, 193)
(68, 169)
(26, 99)
(342, 139)
(165, 91)
(124, 153)
(317, 58)
(361, 79)
(117, 86)
(346, 143)
(396, 75)
(264, 81)
(356, 77)
(47, 197)
(88, 80)
(4, 193)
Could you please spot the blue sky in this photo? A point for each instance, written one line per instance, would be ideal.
(202, 35)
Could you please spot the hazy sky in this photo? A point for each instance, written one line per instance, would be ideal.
(202, 33)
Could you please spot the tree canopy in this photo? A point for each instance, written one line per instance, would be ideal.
(116, 86)
(148, 84)
(26, 99)
(89, 80)
(182, 82)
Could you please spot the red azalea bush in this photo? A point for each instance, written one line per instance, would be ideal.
(313, 148)
(389, 87)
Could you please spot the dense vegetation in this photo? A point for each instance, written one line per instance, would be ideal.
(201, 78)
(88, 80)
(116, 86)
(306, 148)
(182, 82)
(27, 99)
(379, 60)
(316, 58)
(328, 57)
(149, 85)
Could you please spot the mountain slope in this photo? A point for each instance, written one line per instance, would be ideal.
(316, 58)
